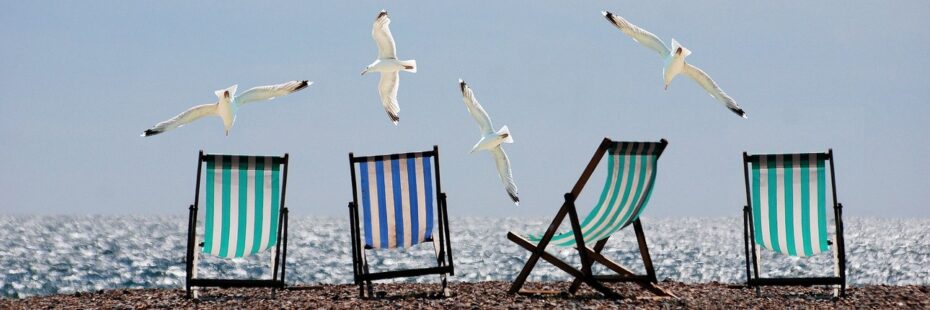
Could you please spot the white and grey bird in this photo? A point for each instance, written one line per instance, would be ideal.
(227, 106)
(491, 140)
(388, 65)
(674, 61)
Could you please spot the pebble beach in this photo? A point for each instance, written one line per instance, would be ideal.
(489, 295)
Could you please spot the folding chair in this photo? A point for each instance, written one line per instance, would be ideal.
(245, 215)
(397, 205)
(631, 172)
(786, 213)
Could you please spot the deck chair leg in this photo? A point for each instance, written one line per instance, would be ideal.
(576, 284)
(644, 250)
(537, 250)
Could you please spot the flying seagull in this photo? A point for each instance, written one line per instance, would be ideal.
(388, 65)
(491, 140)
(228, 105)
(674, 61)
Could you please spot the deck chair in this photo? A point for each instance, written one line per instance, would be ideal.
(245, 215)
(786, 213)
(631, 172)
(396, 196)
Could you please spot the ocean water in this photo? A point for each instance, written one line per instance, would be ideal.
(42, 255)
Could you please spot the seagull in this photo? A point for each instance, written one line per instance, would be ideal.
(228, 105)
(388, 65)
(674, 61)
(491, 141)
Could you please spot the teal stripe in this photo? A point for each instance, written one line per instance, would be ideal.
(568, 238)
(259, 205)
(806, 205)
(639, 191)
(243, 205)
(756, 199)
(611, 158)
(822, 204)
(224, 237)
(275, 204)
(613, 219)
(648, 191)
(773, 201)
(208, 222)
(789, 204)
(611, 205)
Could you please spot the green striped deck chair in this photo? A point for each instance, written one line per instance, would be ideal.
(631, 173)
(244, 214)
(399, 197)
(786, 213)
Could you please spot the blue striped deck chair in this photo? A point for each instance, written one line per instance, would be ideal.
(244, 214)
(396, 201)
(631, 172)
(786, 213)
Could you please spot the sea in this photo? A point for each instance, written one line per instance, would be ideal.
(42, 255)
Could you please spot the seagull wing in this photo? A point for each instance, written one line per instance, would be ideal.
(382, 35)
(388, 90)
(475, 109)
(503, 168)
(640, 35)
(270, 92)
(182, 119)
(712, 89)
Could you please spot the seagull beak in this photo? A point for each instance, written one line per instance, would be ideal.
(666, 86)
(364, 71)
(227, 133)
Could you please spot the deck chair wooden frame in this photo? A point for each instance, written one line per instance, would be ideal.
(442, 247)
(280, 246)
(753, 250)
(588, 255)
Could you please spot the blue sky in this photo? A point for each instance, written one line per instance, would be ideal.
(80, 81)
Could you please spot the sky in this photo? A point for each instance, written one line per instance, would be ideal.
(81, 80)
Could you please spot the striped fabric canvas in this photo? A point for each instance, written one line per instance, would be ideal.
(631, 173)
(397, 200)
(789, 202)
(242, 204)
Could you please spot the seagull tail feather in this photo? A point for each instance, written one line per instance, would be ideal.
(409, 65)
(504, 133)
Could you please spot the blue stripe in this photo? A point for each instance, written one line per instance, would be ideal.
(428, 187)
(366, 201)
(414, 204)
(382, 209)
(398, 203)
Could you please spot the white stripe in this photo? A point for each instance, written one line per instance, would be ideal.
(250, 207)
(266, 205)
(610, 192)
(796, 201)
(780, 203)
(645, 186)
(233, 208)
(814, 216)
(389, 203)
(373, 203)
(217, 204)
(764, 201)
(421, 196)
(635, 188)
(405, 202)
(615, 210)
